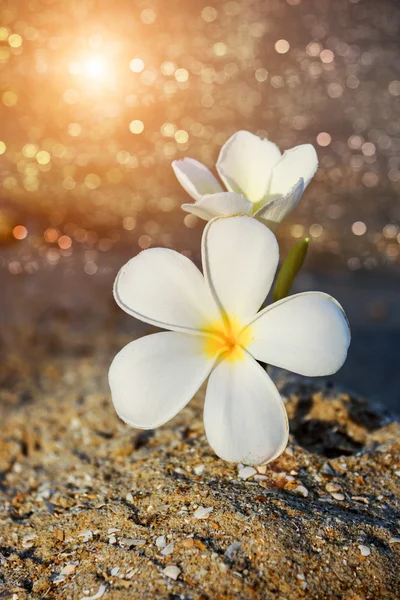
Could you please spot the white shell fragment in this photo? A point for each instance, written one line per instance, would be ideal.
(203, 513)
(161, 542)
(365, 550)
(233, 549)
(247, 472)
(131, 542)
(98, 594)
(168, 549)
(29, 540)
(68, 569)
(172, 572)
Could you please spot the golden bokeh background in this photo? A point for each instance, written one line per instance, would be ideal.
(98, 97)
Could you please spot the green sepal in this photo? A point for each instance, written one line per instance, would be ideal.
(289, 269)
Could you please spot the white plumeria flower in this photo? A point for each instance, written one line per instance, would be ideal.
(260, 181)
(216, 332)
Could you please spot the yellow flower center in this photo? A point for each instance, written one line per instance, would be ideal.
(227, 339)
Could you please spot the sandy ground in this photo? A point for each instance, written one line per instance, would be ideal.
(93, 508)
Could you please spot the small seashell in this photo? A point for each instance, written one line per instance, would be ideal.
(203, 513)
(172, 572)
(168, 549)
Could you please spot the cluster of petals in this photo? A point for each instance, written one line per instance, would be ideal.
(218, 332)
(261, 182)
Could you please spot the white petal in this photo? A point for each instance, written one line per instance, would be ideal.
(272, 213)
(245, 164)
(306, 333)
(240, 256)
(301, 161)
(195, 178)
(164, 288)
(244, 416)
(154, 377)
(222, 204)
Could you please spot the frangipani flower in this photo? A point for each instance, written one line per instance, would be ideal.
(260, 181)
(217, 333)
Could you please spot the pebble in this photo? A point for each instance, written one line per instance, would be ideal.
(198, 469)
(365, 550)
(338, 496)
(114, 571)
(260, 478)
(203, 513)
(247, 472)
(332, 487)
(302, 490)
(172, 572)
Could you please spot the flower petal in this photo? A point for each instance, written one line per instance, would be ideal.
(164, 288)
(240, 256)
(272, 213)
(222, 204)
(154, 377)
(245, 164)
(307, 333)
(301, 161)
(195, 178)
(244, 416)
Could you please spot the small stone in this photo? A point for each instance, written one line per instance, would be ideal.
(188, 543)
(112, 539)
(247, 472)
(260, 478)
(172, 572)
(168, 549)
(365, 550)
(198, 469)
(203, 513)
(338, 497)
(262, 469)
(129, 498)
(302, 490)
(332, 487)
(114, 571)
(59, 534)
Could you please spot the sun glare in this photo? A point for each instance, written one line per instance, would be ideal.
(95, 67)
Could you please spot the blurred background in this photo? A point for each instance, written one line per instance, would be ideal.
(98, 97)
